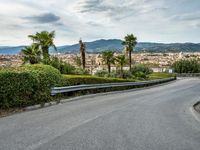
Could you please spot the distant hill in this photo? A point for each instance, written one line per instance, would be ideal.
(8, 50)
(115, 44)
(93, 47)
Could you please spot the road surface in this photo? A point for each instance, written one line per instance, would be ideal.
(157, 118)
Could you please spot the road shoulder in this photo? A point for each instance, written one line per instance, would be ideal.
(195, 109)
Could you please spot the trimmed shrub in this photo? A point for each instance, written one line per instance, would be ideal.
(155, 75)
(78, 80)
(16, 89)
(114, 74)
(27, 85)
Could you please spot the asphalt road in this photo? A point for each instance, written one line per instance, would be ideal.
(158, 118)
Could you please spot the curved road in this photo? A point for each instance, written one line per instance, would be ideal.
(157, 118)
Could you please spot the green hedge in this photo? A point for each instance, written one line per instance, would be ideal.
(154, 76)
(77, 80)
(27, 85)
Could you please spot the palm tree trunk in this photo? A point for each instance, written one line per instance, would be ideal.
(130, 61)
(109, 68)
(121, 71)
(45, 51)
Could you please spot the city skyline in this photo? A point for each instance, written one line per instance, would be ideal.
(160, 21)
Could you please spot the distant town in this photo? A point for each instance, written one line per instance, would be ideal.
(159, 62)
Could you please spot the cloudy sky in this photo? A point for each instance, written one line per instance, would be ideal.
(150, 20)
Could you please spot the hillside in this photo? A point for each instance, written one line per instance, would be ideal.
(115, 44)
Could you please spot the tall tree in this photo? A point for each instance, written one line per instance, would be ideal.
(31, 54)
(82, 51)
(108, 58)
(130, 42)
(121, 61)
(44, 40)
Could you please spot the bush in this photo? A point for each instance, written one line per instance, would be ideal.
(27, 85)
(186, 66)
(80, 71)
(140, 76)
(101, 73)
(63, 67)
(78, 80)
(141, 68)
(16, 89)
(114, 74)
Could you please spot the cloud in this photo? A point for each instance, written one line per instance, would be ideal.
(188, 16)
(149, 20)
(43, 18)
(119, 9)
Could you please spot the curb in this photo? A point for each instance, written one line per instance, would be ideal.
(195, 111)
(196, 106)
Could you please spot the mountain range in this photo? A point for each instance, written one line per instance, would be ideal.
(114, 44)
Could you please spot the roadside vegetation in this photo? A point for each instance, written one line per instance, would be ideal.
(187, 66)
(31, 83)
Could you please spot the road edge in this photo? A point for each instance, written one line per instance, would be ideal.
(195, 109)
(35, 107)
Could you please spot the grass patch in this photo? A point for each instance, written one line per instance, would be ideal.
(155, 76)
(70, 80)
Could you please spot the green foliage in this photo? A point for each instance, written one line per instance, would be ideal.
(186, 66)
(27, 85)
(114, 74)
(63, 67)
(77, 60)
(130, 42)
(141, 71)
(108, 58)
(155, 75)
(101, 73)
(44, 40)
(141, 68)
(121, 61)
(78, 80)
(31, 54)
(80, 71)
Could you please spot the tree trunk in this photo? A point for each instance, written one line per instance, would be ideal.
(121, 71)
(45, 51)
(130, 60)
(109, 68)
(83, 59)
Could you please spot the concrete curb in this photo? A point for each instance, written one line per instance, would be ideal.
(196, 111)
(39, 106)
(197, 106)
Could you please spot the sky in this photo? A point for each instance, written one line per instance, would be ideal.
(164, 21)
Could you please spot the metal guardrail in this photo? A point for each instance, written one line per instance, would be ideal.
(68, 89)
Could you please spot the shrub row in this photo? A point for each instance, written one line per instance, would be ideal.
(154, 76)
(27, 85)
(77, 80)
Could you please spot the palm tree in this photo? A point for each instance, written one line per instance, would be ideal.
(44, 40)
(31, 54)
(108, 58)
(130, 42)
(121, 61)
(82, 51)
